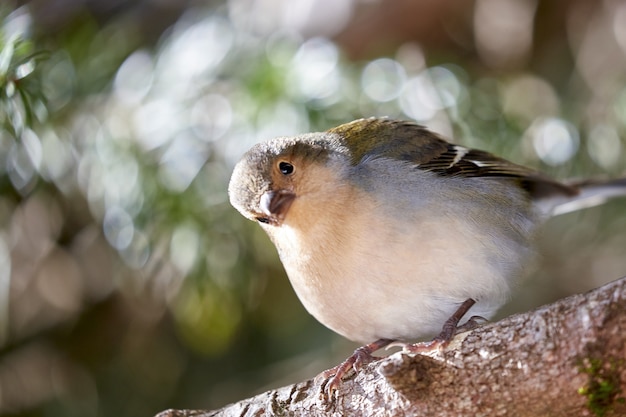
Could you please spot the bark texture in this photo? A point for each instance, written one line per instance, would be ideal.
(565, 359)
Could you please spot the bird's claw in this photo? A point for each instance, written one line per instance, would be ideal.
(330, 379)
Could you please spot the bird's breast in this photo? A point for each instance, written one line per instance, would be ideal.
(369, 279)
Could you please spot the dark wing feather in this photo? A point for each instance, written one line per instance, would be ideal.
(458, 161)
(463, 162)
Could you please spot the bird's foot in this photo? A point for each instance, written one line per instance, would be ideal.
(331, 378)
(449, 330)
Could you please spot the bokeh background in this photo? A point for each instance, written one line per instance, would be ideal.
(128, 284)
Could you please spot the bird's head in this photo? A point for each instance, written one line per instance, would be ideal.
(273, 175)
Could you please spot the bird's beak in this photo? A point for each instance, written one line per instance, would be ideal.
(276, 203)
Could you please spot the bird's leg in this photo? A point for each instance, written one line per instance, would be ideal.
(363, 355)
(356, 361)
(449, 329)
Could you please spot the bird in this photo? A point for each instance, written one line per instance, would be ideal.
(389, 233)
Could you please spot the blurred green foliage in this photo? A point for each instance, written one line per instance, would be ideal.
(22, 99)
(129, 284)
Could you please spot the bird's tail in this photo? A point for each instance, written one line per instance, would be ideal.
(590, 193)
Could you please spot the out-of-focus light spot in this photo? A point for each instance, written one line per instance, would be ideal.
(134, 77)
(137, 253)
(211, 116)
(118, 227)
(411, 57)
(25, 69)
(120, 180)
(604, 146)
(446, 85)
(60, 282)
(555, 141)
(432, 90)
(184, 247)
(156, 123)
(90, 174)
(10, 90)
(195, 50)
(182, 161)
(256, 16)
(441, 124)
(308, 17)
(295, 14)
(33, 148)
(619, 25)
(84, 172)
(314, 72)
(59, 80)
(20, 166)
(5, 285)
(503, 30)
(241, 137)
(412, 100)
(105, 147)
(529, 97)
(282, 119)
(58, 159)
(383, 79)
(18, 23)
(321, 17)
(599, 58)
(85, 126)
(280, 47)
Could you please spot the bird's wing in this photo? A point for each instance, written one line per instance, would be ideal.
(413, 143)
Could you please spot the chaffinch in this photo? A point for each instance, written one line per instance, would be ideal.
(389, 233)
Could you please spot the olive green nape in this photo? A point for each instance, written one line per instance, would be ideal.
(396, 139)
(308, 147)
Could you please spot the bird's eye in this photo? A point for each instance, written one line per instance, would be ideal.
(285, 168)
(262, 220)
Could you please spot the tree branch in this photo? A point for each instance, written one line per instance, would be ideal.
(564, 359)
